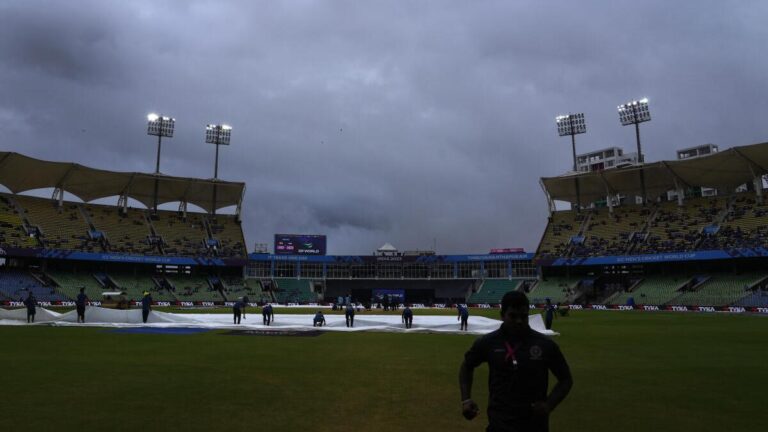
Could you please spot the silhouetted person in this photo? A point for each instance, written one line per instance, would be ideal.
(80, 303)
(318, 320)
(146, 306)
(407, 317)
(549, 314)
(463, 316)
(267, 314)
(349, 315)
(519, 361)
(237, 311)
(31, 304)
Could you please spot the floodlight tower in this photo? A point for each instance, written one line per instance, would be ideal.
(159, 126)
(636, 112)
(218, 135)
(572, 124)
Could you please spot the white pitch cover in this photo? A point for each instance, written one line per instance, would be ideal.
(102, 317)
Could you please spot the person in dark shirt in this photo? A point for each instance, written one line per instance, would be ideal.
(407, 317)
(267, 314)
(549, 314)
(318, 320)
(463, 316)
(519, 360)
(31, 304)
(146, 306)
(80, 303)
(246, 300)
(349, 315)
(237, 310)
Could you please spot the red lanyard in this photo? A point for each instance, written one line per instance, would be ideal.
(511, 353)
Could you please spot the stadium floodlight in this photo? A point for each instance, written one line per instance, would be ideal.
(636, 112)
(572, 124)
(159, 126)
(217, 135)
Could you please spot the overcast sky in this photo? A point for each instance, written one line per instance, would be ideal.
(409, 122)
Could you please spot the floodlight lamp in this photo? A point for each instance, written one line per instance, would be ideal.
(634, 112)
(571, 124)
(218, 134)
(160, 125)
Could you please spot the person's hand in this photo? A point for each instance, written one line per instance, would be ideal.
(469, 409)
(540, 408)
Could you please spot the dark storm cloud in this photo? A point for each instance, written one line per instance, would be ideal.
(416, 123)
(75, 46)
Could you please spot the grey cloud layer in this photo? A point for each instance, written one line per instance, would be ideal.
(409, 122)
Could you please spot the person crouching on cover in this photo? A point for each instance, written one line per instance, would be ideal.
(318, 320)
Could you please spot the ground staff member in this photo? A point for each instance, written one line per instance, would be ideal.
(407, 317)
(519, 360)
(146, 306)
(463, 316)
(349, 315)
(237, 310)
(31, 304)
(267, 314)
(318, 320)
(80, 302)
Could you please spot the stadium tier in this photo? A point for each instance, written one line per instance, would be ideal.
(720, 290)
(124, 232)
(556, 289)
(194, 288)
(59, 227)
(17, 284)
(609, 232)
(674, 228)
(182, 237)
(711, 223)
(135, 284)
(561, 227)
(492, 290)
(12, 232)
(236, 288)
(100, 228)
(293, 291)
(228, 235)
(652, 290)
(759, 298)
(69, 284)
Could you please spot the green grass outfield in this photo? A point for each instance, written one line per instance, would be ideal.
(633, 371)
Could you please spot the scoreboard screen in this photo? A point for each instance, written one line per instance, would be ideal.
(299, 244)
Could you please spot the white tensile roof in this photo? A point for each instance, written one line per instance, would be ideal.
(726, 169)
(21, 173)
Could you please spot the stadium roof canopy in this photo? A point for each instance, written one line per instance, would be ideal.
(21, 173)
(725, 170)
